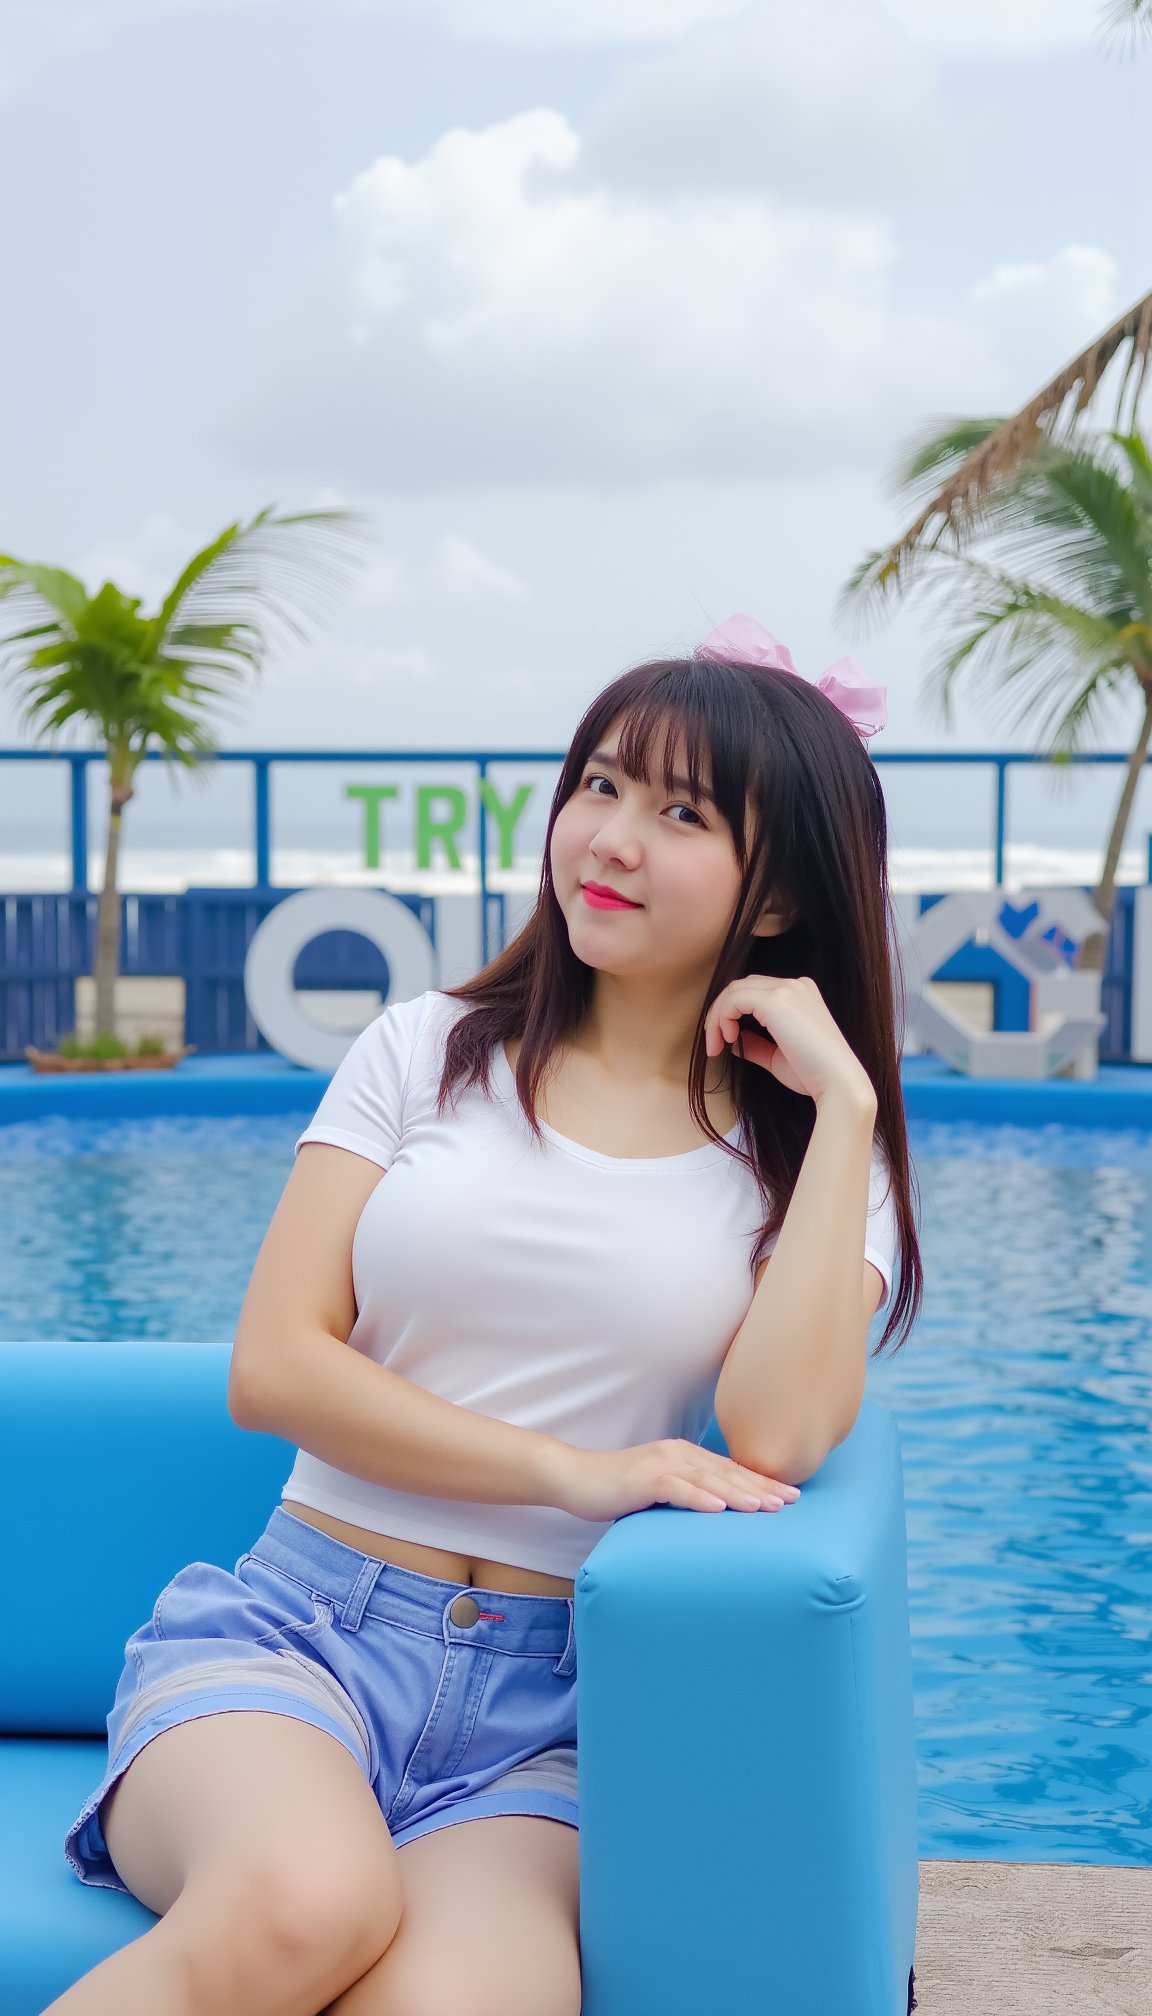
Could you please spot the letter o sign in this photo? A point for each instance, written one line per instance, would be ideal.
(273, 1001)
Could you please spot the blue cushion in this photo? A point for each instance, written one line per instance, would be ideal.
(119, 1463)
(53, 1928)
(747, 1774)
(746, 1758)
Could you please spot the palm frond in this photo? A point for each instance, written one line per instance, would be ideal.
(139, 679)
(1028, 645)
(879, 579)
(51, 590)
(940, 450)
(1079, 525)
(1127, 20)
(888, 572)
(957, 506)
(257, 575)
(1138, 460)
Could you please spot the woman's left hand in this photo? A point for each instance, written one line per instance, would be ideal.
(805, 1048)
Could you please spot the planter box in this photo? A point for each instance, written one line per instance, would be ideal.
(48, 1060)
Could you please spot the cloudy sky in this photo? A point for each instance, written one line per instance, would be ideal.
(613, 315)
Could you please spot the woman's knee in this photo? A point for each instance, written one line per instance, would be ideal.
(263, 1826)
(323, 1911)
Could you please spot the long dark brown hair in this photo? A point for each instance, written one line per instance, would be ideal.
(778, 746)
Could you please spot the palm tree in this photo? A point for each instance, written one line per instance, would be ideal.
(136, 679)
(1007, 475)
(1075, 628)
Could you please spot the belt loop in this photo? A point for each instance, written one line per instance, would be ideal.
(353, 1610)
(566, 1664)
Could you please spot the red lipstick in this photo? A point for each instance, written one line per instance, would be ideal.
(602, 898)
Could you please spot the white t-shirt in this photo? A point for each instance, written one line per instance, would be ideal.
(589, 1297)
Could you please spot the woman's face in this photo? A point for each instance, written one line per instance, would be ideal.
(673, 855)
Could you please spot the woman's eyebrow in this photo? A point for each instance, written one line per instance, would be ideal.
(609, 762)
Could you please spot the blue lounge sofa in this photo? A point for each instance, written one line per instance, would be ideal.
(747, 1778)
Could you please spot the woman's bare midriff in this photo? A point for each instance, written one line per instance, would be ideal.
(437, 1561)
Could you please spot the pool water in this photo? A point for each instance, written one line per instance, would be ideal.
(136, 1227)
(1023, 1402)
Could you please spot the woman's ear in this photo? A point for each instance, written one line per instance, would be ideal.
(772, 922)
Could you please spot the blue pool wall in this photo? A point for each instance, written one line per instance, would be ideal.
(1119, 1096)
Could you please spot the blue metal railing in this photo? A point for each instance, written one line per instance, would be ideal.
(47, 941)
(261, 761)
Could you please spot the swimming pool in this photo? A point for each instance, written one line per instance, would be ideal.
(1023, 1403)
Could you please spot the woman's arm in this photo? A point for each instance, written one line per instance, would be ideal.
(791, 1385)
(293, 1375)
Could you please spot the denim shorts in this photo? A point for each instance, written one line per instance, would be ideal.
(456, 1702)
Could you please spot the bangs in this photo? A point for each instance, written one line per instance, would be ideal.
(713, 757)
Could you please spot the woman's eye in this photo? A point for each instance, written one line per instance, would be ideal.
(680, 806)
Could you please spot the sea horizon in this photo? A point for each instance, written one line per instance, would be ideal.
(157, 870)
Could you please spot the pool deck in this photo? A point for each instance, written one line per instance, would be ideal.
(1033, 1939)
(263, 1082)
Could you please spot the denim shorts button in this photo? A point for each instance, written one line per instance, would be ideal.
(465, 1610)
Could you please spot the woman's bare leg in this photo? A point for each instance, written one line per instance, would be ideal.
(259, 1841)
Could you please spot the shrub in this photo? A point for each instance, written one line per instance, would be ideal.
(106, 1044)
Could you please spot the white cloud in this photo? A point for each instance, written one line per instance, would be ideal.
(836, 105)
(356, 666)
(470, 326)
(39, 33)
(1045, 310)
(462, 571)
(456, 570)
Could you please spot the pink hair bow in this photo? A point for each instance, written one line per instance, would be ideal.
(846, 683)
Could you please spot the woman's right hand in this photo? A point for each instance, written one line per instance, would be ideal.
(607, 1483)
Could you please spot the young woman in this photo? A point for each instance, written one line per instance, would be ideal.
(651, 1163)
